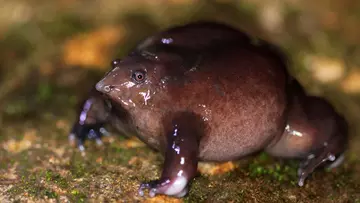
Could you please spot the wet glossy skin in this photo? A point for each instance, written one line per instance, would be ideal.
(204, 92)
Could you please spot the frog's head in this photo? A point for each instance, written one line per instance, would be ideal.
(134, 82)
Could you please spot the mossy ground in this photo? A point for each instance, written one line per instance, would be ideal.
(49, 62)
(49, 169)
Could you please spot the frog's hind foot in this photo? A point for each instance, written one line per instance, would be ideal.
(329, 156)
(338, 161)
(312, 162)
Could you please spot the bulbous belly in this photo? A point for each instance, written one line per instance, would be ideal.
(242, 128)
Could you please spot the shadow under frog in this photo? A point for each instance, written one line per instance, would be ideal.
(205, 92)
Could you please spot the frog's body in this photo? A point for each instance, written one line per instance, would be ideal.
(204, 92)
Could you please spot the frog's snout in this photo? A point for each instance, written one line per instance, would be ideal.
(102, 87)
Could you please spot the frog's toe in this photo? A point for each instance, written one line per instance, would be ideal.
(338, 161)
(311, 163)
(80, 133)
(72, 139)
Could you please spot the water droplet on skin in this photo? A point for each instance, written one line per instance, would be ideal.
(146, 96)
(206, 111)
(131, 102)
(166, 40)
(122, 101)
(193, 69)
(292, 131)
(182, 160)
(83, 114)
(331, 157)
(128, 84)
(180, 173)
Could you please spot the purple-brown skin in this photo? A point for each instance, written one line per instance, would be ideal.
(205, 92)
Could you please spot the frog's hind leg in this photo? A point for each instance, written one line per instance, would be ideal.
(330, 154)
(316, 134)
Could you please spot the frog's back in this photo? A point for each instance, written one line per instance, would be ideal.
(200, 35)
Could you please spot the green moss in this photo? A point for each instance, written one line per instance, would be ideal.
(263, 157)
(31, 185)
(198, 190)
(78, 170)
(125, 155)
(16, 107)
(230, 195)
(77, 196)
(56, 178)
(264, 166)
(50, 194)
(44, 92)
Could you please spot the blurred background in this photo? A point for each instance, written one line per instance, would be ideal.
(53, 52)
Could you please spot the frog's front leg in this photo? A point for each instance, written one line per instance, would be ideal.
(92, 117)
(181, 156)
(94, 113)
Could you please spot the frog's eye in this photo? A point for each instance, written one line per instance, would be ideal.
(139, 76)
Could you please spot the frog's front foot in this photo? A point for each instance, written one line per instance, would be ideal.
(82, 132)
(174, 187)
(180, 165)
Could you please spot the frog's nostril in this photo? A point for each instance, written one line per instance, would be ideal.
(107, 88)
(103, 88)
